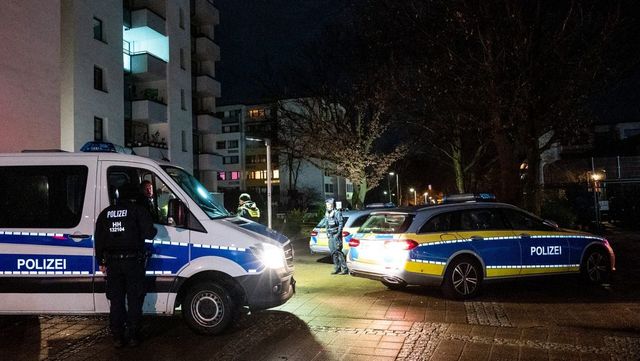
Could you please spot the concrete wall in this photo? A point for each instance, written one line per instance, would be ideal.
(29, 75)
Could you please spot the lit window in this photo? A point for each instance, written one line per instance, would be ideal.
(276, 174)
(221, 176)
(256, 113)
(235, 175)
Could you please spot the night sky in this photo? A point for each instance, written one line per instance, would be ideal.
(258, 41)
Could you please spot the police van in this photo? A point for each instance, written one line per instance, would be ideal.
(203, 260)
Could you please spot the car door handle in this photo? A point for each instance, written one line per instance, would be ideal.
(79, 236)
(477, 238)
(525, 235)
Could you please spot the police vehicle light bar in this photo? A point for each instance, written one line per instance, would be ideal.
(105, 147)
(469, 197)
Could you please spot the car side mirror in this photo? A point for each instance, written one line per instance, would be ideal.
(177, 213)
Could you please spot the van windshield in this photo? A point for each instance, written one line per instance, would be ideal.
(197, 192)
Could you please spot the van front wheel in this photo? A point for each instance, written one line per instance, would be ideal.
(208, 308)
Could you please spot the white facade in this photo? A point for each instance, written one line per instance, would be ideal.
(81, 103)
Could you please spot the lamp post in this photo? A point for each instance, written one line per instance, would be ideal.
(389, 187)
(267, 144)
(425, 194)
(398, 198)
(596, 177)
(415, 197)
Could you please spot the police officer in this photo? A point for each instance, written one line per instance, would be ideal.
(248, 208)
(120, 249)
(334, 224)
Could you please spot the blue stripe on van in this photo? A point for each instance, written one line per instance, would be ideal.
(44, 239)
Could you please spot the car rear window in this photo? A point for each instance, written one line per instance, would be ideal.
(387, 223)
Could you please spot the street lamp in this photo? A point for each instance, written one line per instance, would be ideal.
(267, 144)
(415, 197)
(596, 177)
(389, 187)
(425, 194)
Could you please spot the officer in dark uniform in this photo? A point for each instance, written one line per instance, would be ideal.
(334, 224)
(120, 249)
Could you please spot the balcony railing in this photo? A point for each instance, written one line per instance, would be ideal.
(148, 111)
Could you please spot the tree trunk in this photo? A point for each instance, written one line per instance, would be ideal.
(456, 160)
(533, 192)
(507, 163)
(359, 194)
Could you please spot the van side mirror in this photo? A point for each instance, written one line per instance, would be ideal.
(177, 213)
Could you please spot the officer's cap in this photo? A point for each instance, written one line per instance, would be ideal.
(245, 197)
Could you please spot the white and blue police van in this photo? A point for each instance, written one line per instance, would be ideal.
(204, 261)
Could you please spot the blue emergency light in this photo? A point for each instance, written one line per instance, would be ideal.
(105, 147)
(469, 197)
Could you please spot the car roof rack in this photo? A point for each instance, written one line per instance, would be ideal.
(468, 197)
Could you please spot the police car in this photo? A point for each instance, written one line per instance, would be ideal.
(204, 261)
(460, 246)
(318, 240)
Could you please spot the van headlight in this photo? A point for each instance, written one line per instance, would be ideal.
(271, 256)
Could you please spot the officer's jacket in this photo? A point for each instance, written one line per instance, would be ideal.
(123, 228)
(249, 210)
(335, 222)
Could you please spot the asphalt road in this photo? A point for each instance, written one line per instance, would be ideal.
(347, 318)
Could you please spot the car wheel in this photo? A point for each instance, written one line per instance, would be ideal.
(208, 308)
(395, 286)
(462, 279)
(596, 266)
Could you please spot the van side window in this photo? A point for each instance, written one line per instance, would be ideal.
(440, 223)
(154, 193)
(42, 196)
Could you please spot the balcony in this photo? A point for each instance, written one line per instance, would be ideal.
(203, 12)
(209, 161)
(205, 49)
(147, 67)
(148, 111)
(206, 86)
(208, 124)
(147, 18)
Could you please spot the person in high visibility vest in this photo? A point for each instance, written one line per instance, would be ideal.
(247, 208)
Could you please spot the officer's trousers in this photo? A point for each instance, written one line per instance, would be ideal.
(125, 280)
(335, 247)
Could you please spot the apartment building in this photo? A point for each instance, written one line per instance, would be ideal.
(240, 147)
(139, 73)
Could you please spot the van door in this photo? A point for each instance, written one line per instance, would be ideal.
(169, 251)
(46, 223)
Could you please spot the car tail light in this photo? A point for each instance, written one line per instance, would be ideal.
(401, 245)
(314, 233)
(345, 234)
(354, 242)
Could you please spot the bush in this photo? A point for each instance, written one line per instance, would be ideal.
(293, 222)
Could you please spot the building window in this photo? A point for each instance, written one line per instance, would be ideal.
(276, 174)
(222, 176)
(98, 79)
(98, 129)
(231, 129)
(97, 29)
(234, 175)
(182, 62)
(181, 18)
(233, 144)
(183, 103)
(184, 140)
(221, 145)
(234, 159)
(349, 187)
(328, 187)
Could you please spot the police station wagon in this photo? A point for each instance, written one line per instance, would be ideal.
(203, 260)
(459, 246)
